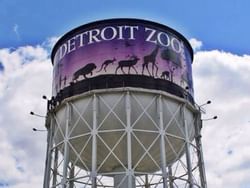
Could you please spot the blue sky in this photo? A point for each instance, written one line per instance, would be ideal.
(218, 31)
(220, 24)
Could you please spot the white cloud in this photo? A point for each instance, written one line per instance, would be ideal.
(196, 44)
(26, 77)
(50, 42)
(222, 77)
(16, 31)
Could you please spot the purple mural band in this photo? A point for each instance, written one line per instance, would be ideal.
(122, 53)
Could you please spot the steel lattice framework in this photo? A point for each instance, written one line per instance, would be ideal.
(83, 152)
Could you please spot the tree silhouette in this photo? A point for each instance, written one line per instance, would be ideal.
(172, 60)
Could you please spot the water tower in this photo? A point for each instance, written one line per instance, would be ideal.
(122, 113)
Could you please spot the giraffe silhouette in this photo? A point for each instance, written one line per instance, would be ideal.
(151, 58)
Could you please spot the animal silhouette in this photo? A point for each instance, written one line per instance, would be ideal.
(106, 63)
(171, 57)
(87, 69)
(150, 59)
(165, 75)
(127, 63)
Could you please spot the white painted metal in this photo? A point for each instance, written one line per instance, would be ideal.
(129, 130)
(94, 142)
(55, 168)
(112, 117)
(124, 138)
(199, 151)
(187, 146)
(170, 175)
(162, 143)
(66, 147)
(50, 133)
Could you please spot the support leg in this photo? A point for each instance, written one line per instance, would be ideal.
(162, 143)
(66, 147)
(94, 143)
(50, 131)
(199, 151)
(187, 147)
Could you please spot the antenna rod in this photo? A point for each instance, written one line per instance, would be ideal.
(40, 130)
(215, 117)
(34, 114)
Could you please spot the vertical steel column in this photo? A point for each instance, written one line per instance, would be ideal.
(48, 158)
(187, 147)
(170, 175)
(71, 176)
(94, 143)
(66, 147)
(50, 131)
(55, 167)
(162, 143)
(129, 144)
(146, 181)
(198, 125)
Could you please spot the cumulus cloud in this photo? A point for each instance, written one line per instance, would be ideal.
(196, 44)
(224, 78)
(1, 67)
(219, 76)
(25, 78)
(50, 42)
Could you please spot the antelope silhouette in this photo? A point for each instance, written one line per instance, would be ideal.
(106, 63)
(127, 63)
(150, 59)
